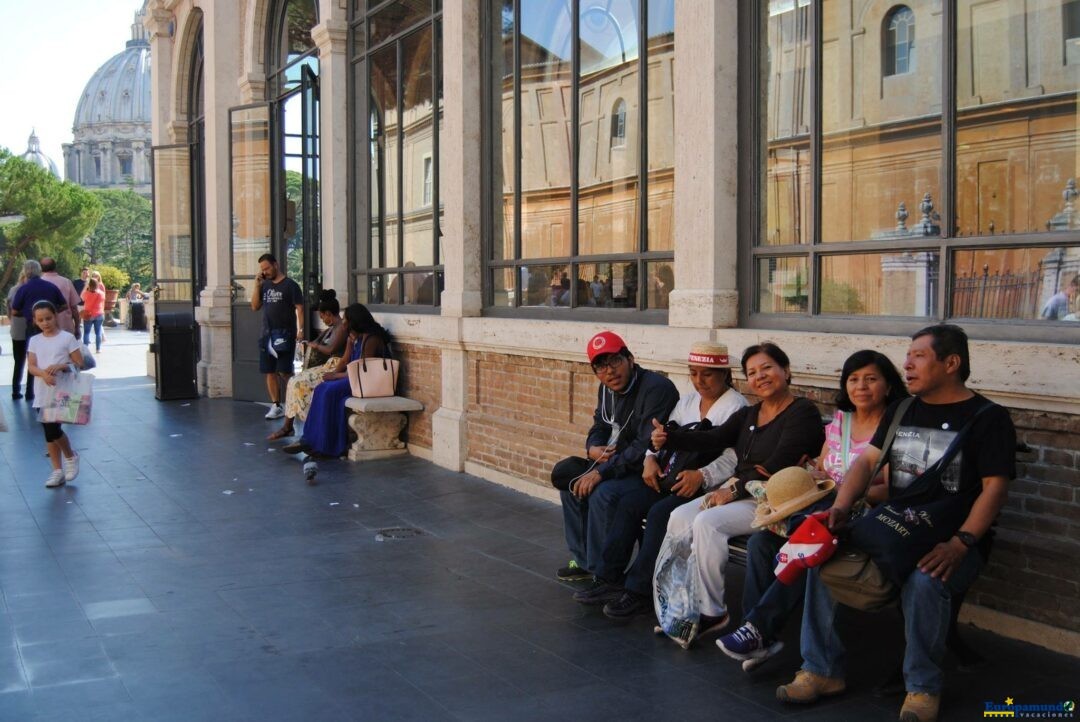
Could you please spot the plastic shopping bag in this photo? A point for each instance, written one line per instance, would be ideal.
(69, 400)
(675, 589)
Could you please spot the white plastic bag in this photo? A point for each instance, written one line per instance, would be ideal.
(675, 589)
(68, 401)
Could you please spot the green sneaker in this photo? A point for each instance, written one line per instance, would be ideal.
(572, 573)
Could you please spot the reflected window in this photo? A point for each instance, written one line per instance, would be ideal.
(901, 203)
(397, 91)
(565, 90)
(125, 165)
(899, 40)
(618, 125)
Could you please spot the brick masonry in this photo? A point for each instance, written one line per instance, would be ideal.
(420, 380)
(526, 413)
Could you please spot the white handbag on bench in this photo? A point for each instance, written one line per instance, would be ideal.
(371, 378)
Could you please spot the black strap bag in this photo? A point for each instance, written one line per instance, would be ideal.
(899, 532)
(672, 462)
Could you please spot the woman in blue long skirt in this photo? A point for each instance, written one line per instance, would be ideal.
(325, 431)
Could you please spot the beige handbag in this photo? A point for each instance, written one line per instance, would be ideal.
(371, 378)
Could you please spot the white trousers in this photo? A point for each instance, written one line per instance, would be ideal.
(711, 529)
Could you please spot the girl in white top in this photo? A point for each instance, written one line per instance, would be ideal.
(49, 354)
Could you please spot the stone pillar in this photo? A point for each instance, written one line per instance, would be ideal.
(106, 149)
(706, 165)
(69, 162)
(159, 25)
(459, 185)
(221, 24)
(331, 37)
(138, 161)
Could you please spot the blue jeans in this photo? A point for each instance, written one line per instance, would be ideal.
(639, 579)
(767, 602)
(587, 521)
(94, 322)
(927, 606)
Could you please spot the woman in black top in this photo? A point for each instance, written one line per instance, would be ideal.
(777, 432)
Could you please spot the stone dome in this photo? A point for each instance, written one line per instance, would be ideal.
(34, 155)
(119, 92)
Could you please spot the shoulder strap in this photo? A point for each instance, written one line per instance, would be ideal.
(845, 439)
(890, 435)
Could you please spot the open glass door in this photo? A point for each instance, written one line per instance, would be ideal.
(250, 174)
(173, 249)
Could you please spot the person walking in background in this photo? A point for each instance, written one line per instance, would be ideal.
(34, 289)
(18, 343)
(69, 317)
(80, 282)
(49, 353)
(282, 304)
(93, 312)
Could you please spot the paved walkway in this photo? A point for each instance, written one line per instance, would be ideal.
(190, 574)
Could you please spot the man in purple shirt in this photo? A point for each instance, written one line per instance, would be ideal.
(68, 319)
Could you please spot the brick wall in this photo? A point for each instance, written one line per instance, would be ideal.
(525, 413)
(421, 379)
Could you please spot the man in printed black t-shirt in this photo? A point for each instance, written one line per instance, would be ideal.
(282, 304)
(936, 369)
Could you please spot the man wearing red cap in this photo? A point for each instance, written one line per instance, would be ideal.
(628, 398)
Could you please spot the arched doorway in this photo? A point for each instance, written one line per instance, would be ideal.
(275, 181)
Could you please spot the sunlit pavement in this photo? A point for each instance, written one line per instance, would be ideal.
(190, 574)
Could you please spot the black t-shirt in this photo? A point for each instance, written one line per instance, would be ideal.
(926, 431)
(279, 302)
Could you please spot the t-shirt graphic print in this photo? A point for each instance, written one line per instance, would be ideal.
(917, 448)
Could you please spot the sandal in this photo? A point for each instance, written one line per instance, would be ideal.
(280, 434)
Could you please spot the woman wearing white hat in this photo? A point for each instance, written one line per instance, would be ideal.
(713, 399)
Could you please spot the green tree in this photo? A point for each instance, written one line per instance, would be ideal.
(56, 216)
(123, 235)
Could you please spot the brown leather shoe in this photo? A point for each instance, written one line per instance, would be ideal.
(919, 707)
(807, 687)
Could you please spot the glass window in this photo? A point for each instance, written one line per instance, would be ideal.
(884, 197)
(586, 191)
(398, 75)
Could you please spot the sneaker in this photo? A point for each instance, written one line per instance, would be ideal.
(71, 467)
(744, 643)
(56, 478)
(919, 707)
(630, 604)
(275, 412)
(572, 573)
(597, 593)
(808, 687)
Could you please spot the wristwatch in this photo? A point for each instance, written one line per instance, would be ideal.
(967, 538)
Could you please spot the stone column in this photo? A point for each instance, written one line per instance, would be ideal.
(331, 37)
(159, 26)
(706, 165)
(459, 185)
(138, 160)
(69, 162)
(106, 149)
(221, 28)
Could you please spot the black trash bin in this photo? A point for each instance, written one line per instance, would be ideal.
(137, 317)
(174, 356)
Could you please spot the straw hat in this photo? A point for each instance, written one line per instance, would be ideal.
(786, 492)
(710, 355)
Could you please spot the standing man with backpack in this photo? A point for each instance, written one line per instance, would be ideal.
(282, 303)
(965, 496)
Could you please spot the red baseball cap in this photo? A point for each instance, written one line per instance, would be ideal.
(604, 342)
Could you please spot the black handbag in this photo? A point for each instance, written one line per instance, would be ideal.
(902, 530)
(672, 462)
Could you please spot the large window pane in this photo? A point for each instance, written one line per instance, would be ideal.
(397, 16)
(502, 104)
(661, 277)
(609, 127)
(250, 192)
(786, 66)
(1017, 283)
(172, 214)
(661, 135)
(881, 134)
(546, 88)
(879, 284)
(384, 157)
(1017, 119)
(782, 285)
(610, 285)
(418, 145)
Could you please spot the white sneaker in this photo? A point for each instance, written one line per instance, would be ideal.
(56, 478)
(275, 412)
(71, 467)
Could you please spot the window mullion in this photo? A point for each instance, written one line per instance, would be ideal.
(948, 155)
(575, 149)
(816, 99)
(643, 148)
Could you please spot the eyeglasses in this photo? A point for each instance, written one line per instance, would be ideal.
(609, 363)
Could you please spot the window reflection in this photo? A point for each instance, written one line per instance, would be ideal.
(1017, 283)
(879, 284)
(783, 285)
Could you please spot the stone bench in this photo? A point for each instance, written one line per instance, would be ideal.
(378, 424)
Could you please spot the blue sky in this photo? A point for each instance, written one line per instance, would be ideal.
(49, 51)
